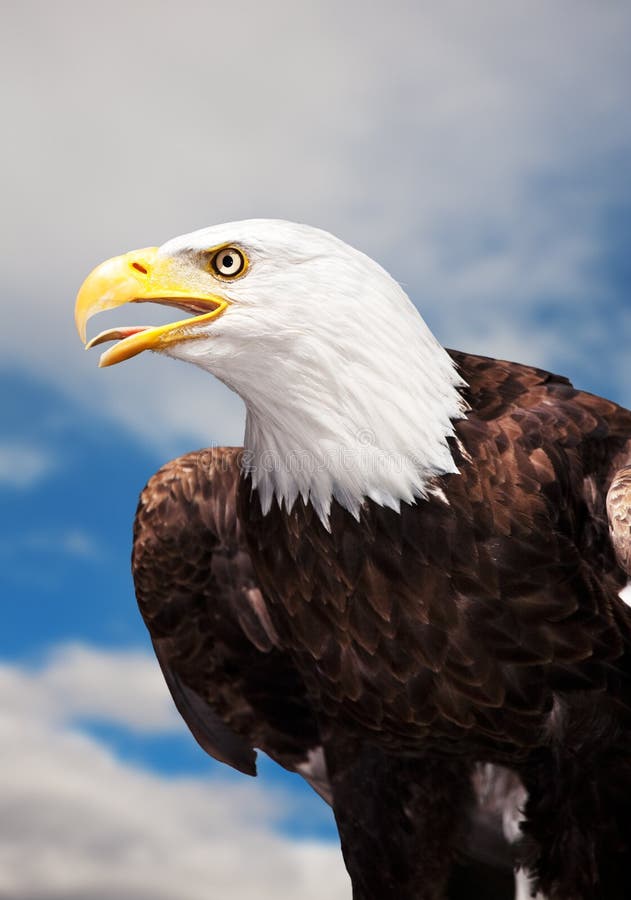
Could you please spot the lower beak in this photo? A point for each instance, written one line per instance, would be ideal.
(141, 276)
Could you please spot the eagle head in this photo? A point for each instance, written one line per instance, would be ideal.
(348, 394)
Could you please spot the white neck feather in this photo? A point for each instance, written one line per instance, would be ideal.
(348, 394)
(377, 429)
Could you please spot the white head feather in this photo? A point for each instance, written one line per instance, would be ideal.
(348, 394)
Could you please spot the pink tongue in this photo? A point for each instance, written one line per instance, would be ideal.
(131, 329)
(116, 334)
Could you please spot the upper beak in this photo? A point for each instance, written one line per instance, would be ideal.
(141, 275)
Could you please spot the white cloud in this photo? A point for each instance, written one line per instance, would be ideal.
(472, 148)
(75, 822)
(23, 465)
(121, 687)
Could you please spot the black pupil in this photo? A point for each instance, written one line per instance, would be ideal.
(227, 262)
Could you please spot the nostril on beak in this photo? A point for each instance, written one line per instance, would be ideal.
(139, 268)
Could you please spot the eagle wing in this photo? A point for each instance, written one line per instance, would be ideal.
(546, 456)
(534, 530)
(229, 678)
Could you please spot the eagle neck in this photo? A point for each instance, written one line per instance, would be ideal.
(383, 438)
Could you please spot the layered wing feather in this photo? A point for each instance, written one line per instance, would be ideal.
(232, 682)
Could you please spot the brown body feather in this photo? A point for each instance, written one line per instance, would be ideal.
(483, 625)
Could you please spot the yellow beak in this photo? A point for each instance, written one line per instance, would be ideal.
(141, 276)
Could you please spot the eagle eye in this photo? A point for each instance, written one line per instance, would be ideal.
(228, 262)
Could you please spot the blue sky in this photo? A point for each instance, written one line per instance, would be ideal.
(481, 152)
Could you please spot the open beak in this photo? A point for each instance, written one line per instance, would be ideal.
(142, 276)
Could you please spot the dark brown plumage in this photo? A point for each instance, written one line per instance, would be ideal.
(482, 627)
(220, 654)
(211, 630)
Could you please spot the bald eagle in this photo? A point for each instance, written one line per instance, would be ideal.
(414, 568)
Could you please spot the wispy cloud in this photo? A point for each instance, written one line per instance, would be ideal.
(77, 822)
(31, 556)
(80, 544)
(77, 682)
(24, 465)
